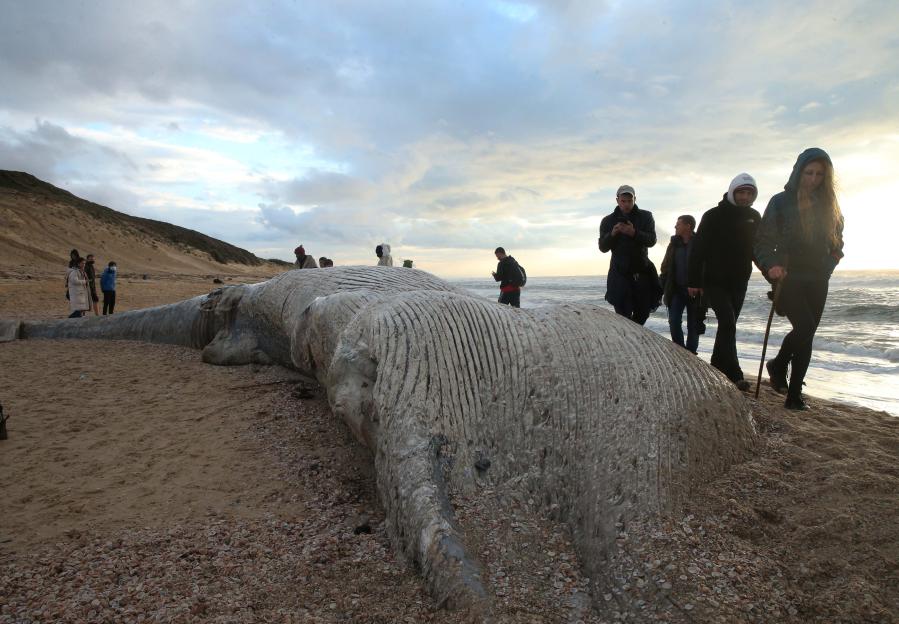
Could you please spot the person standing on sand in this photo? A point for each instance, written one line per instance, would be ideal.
(107, 285)
(799, 244)
(509, 277)
(304, 261)
(673, 279)
(720, 265)
(383, 253)
(79, 292)
(92, 284)
(632, 282)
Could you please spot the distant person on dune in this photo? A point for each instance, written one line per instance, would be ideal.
(107, 285)
(304, 261)
(799, 244)
(92, 284)
(721, 264)
(78, 290)
(383, 253)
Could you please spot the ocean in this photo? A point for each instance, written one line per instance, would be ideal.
(856, 353)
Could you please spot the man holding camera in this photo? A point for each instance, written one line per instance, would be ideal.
(632, 282)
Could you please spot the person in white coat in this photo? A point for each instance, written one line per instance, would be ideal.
(79, 292)
(383, 253)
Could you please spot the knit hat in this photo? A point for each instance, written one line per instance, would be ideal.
(744, 180)
(299, 251)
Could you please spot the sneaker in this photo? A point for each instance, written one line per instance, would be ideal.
(743, 385)
(777, 376)
(796, 403)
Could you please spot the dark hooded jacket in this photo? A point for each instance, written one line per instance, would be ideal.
(722, 251)
(780, 240)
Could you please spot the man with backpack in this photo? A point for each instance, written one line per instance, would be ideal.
(511, 278)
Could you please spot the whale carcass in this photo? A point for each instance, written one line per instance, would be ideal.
(599, 420)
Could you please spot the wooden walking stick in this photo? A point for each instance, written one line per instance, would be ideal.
(758, 381)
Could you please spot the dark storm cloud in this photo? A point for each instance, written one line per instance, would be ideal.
(49, 152)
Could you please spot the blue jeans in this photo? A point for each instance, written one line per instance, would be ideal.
(680, 300)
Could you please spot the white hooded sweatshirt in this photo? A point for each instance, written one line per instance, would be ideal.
(386, 259)
(742, 180)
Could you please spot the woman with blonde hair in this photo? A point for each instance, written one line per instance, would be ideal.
(799, 243)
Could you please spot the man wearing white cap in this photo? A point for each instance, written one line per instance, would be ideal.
(720, 264)
(632, 281)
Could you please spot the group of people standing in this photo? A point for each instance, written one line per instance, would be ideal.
(305, 261)
(796, 244)
(81, 286)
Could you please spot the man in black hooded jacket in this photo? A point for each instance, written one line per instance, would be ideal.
(720, 264)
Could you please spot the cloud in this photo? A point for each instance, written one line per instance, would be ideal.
(325, 187)
(48, 151)
(450, 125)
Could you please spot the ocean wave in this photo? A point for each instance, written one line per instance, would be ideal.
(843, 351)
(872, 312)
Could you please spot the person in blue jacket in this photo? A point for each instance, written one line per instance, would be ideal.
(799, 244)
(107, 285)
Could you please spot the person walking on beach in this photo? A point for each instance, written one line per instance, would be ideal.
(92, 283)
(304, 261)
(632, 282)
(383, 253)
(720, 265)
(78, 289)
(673, 280)
(800, 243)
(107, 285)
(509, 276)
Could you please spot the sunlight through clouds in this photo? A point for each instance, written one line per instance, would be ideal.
(448, 126)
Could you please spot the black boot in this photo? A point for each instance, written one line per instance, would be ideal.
(796, 403)
(778, 376)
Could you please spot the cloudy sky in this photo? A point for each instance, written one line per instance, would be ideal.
(448, 128)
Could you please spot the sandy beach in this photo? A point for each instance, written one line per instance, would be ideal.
(143, 485)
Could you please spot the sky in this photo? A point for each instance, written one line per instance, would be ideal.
(447, 129)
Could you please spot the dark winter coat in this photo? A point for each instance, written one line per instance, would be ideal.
(780, 241)
(722, 252)
(629, 255)
(508, 274)
(668, 274)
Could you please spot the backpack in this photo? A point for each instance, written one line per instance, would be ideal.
(524, 275)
